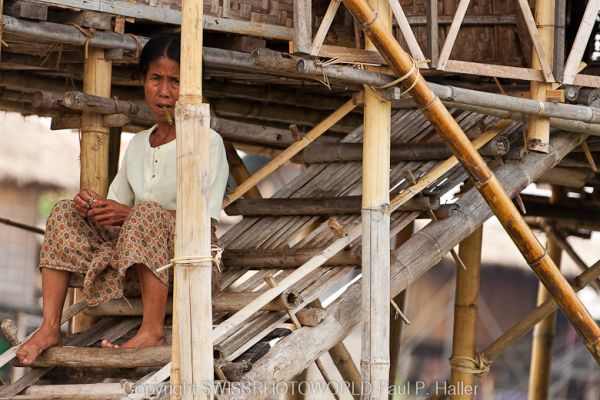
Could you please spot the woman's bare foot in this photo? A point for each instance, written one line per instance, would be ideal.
(144, 338)
(40, 341)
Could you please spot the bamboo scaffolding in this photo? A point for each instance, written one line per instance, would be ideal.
(238, 170)
(486, 182)
(291, 151)
(375, 219)
(543, 332)
(192, 319)
(465, 317)
(538, 129)
(422, 251)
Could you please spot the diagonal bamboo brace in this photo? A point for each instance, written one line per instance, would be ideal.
(484, 179)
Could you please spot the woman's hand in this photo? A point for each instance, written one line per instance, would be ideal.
(84, 200)
(108, 212)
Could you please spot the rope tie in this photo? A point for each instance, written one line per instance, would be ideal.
(480, 365)
(215, 259)
(541, 111)
(88, 33)
(138, 44)
(413, 70)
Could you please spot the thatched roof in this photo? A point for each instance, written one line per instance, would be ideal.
(31, 154)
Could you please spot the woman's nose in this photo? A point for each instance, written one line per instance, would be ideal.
(163, 89)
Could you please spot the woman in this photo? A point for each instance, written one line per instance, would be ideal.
(118, 243)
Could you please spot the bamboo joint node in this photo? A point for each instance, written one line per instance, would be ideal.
(539, 260)
(372, 20)
(480, 365)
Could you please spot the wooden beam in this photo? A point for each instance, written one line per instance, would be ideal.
(407, 32)
(302, 26)
(66, 356)
(332, 9)
(536, 40)
(222, 301)
(433, 34)
(345, 152)
(315, 206)
(579, 45)
(499, 71)
(26, 9)
(238, 170)
(538, 128)
(173, 16)
(560, 20)
(461, 10)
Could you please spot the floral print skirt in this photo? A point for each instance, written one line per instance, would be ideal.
(104, 255)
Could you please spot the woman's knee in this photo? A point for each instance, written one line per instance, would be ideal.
(63, 209)
(147, 211)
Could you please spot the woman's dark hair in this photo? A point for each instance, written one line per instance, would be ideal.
(164, 45)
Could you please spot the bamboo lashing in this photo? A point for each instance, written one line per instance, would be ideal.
(484, 179)
(291, 151)
(271, 282)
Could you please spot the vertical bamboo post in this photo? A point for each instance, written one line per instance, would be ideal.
(486, 182)
(543, 332)
(97, 75)
(375, 357)
(538, 128)
(192, 368)
(302, 26)
(465, 315)
(396, 323)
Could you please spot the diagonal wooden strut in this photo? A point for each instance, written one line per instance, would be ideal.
(486, 182)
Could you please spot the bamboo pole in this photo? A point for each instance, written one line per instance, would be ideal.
(465, 317)
(538, 128)
(543, 332)
(486, 182)
(375, 218)
(97, 73)
(291, 151)
(397, 323)
(192, 321)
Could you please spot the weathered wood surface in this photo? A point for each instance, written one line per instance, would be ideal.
(68, 356)
(315, 206)
(409, 262)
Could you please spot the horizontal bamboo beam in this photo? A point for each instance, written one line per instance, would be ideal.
(569, 209)
(315, 206)
(421, 252)
(344, 152)
(67, 356)
(222, 302)
(283, 258)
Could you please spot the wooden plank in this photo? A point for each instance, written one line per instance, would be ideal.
(583, 34)
(499, 71)
(409, 36)
(433, 34)
(332, 9)
(302, 26)
(587, 80)
(461, 10)
(351, 54)
(26, 9)
(558, 58)
(169, 16)
(537, 41)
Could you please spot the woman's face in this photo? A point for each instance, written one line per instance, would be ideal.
(161, 87)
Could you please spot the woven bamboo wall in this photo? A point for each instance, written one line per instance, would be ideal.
(274, 12)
